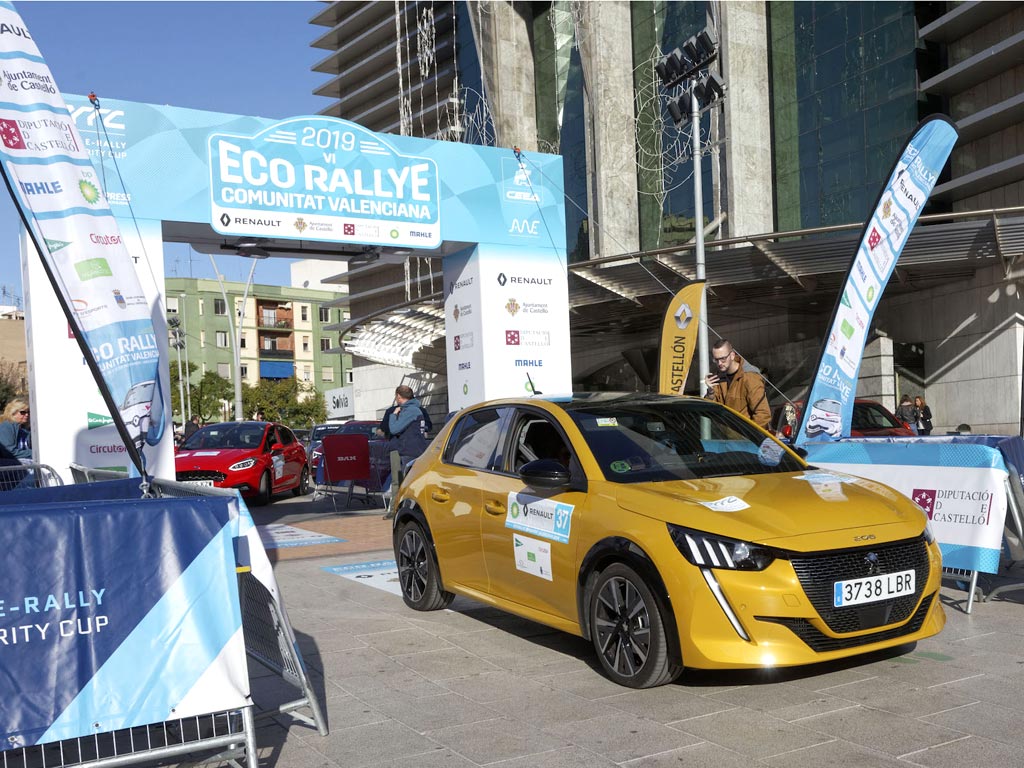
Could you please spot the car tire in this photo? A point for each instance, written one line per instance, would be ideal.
(418, 574)
(303, 487)
(628, 630)
(265, 492)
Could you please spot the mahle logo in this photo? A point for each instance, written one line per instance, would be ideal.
(96, 420)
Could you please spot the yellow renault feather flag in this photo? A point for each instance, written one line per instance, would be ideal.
(679, 337)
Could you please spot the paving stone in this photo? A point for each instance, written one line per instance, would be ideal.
(665, 704)
(834, 754)
(752, 733)
(491, 685)
(428, 713)
(569, 757)
(983, 719)
(967, 751)
(701, 755)
(373, 743)
(769, 698)
(403, 641)
(621, 736)
(490, 741)
(587, 683)
(446, 664)
(893, 734)
(901, 698)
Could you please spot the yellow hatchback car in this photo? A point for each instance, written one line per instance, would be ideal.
(669, 531)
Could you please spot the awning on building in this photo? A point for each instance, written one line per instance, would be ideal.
(276, 369)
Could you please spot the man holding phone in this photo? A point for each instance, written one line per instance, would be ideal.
(741, 390)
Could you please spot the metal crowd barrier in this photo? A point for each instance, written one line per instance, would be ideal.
(232, 731)
(22, 476)
(267, 641)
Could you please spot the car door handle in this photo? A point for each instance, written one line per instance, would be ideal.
(440, 494)
(494, 508)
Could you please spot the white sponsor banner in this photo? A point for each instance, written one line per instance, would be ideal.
(966, 505)
(70, 420)
(380, 574)
(463, 315)
(278, 536)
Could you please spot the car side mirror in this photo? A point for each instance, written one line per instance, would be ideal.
(277, 447)
(801, 452)
(545, 473)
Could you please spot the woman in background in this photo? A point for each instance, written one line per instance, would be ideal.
(14, 430)
(924, 416)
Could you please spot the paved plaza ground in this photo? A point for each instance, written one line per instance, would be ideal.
(472, 686)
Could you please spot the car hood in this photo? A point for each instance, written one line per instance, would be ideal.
(214, 457)
(801, 510)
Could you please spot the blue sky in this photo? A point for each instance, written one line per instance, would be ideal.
(248, 58)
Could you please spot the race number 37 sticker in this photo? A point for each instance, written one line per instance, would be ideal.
(542, 517)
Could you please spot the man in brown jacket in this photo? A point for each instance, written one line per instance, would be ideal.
(740, 390)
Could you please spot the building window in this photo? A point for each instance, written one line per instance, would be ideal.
(172, 304)
(222, 339)
(241, 342)
(224, 370)
(304, 311)
(200, 306)
(327, 374)
(245, 371)
(219, 307)
(348, 377)
(325, 344)
(325, 314)
(306, 373)
(202, 338)
(305, 343)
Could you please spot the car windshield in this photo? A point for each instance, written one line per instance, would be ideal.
(248, 435)
(360, 428)
(871, 416)
(677, 440)
(324, 429)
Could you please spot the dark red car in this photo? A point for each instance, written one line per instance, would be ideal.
(258, 458)
(870, 419)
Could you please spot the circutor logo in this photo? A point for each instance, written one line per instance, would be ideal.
(89, 191)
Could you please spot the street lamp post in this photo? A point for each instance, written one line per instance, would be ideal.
(188, 371)
(690, 65)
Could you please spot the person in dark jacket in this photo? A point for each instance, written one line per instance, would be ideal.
(191, 427)
(404, 424)
(924, 416)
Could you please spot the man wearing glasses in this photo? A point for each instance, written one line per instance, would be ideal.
(741, 390)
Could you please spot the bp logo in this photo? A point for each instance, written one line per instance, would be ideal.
(394, 234)
(89, 192)
(513, 509)
(465, 389)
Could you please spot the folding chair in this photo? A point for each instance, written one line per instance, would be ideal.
(345, 462)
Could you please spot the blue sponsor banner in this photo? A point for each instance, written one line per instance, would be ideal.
(163, 153)
(829, 410)
(321, 178)
(116, 612)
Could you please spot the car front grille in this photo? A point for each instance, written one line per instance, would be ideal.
(820, 642)
(201, 474)
(818, 574)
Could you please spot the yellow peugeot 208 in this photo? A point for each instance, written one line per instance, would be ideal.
(669, 531)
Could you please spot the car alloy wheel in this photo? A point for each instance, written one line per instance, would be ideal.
(266, 490)
(627, 630)
(417, 570)
(303, 487)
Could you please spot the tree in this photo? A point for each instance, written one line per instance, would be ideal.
(12, 382)
(190, 389)
(208, 394)
(288, 401)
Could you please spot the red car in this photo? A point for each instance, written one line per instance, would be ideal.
(870, 419)
(258, 458)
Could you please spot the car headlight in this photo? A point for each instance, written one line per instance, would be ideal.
(929, 534)
(243, 464)
(707, 551)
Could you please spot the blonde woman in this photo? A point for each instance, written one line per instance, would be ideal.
(14, 430)
(924, 416)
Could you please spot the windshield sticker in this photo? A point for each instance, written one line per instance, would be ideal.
(546, 518)
(770, 453)
(620, 466)
(829, 491)
(608, 421)
(728, 504)
(821, 477)
(532, 556)
(655, 426)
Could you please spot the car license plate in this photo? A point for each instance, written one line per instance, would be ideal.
(204, 483)
(870, 589)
